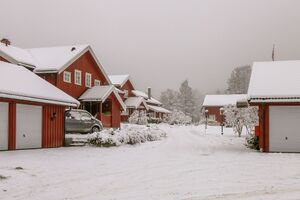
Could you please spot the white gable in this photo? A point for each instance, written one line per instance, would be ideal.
(277, 80)
(223, 100)
(17, 82)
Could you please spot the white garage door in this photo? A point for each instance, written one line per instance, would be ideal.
(29, 126)
(284, 129)
(3, 126)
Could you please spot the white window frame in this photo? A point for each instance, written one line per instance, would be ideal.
(126, 93)
(80, 78)
(66, 73)
(97, 82)
(88, 84)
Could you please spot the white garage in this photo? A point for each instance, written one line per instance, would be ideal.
(3, 126)
(284, 129)
(28, 129)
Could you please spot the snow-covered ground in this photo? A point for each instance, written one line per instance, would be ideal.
(188, 165)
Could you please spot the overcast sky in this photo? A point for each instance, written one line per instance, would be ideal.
(161, 42)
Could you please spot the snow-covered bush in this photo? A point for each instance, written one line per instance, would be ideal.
(240, 117)
(252, 142)
(133, 134)
(138, 117)
(178, 117)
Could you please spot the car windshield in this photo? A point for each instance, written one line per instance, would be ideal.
(85, 115)
(73, 115)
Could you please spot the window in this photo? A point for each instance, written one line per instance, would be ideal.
(96, 82)
(67, 77)
(126, 93)
(212, 117)
(88, 80)
(106, 107)
(77, 77)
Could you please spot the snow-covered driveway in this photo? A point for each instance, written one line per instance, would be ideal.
(188, 164)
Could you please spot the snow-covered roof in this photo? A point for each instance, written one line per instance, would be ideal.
(47, 59)
(16, 55)
(153, 101)
(276, 81)
(159, 109)
(140, 94)
(100, 93)
(119, 80)
(145, 96)
(56, 59)
(17, 82)
(135, 102)
(223, 100)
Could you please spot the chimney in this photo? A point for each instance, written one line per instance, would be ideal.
(149, 92)
(5, 41)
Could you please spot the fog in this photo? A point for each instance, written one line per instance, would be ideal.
(161, 42)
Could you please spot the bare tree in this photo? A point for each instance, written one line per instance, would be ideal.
(239, 80)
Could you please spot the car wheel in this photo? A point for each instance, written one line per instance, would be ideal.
(95, 129)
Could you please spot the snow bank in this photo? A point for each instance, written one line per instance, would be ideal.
(129, 134)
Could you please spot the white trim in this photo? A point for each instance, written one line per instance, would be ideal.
(98, 82)
(89, 85)
(40, 100)
(70, 77)
(75, 80)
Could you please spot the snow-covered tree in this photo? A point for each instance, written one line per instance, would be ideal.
(169, 99)
(239, 80)
(138, 117)
(240, 117)
(186, 100)
(178, 117)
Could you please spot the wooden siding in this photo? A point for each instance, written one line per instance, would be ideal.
(128, 86)
(215, 110)
(116, 112)
(52, 129)
(3, 59)
(51, 78)
(86, 64)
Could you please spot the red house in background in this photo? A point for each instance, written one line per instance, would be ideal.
(73, 69)
(125, 88)
(213, 103)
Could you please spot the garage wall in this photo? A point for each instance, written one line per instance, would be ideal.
(52, 128)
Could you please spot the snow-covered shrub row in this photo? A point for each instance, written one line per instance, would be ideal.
(131, 134)
(138, 117)
(178, 117)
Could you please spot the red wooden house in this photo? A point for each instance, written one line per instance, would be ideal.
(125, 88)
(73, 69)
(31, 110)
(213, 103)
(275, 89)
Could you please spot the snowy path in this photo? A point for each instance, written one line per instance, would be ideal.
(187, 165)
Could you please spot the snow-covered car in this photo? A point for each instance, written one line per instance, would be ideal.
(81, 121)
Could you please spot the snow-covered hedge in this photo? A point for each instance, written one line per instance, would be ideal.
(138, 117)
(130, 134)
(178, 117)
